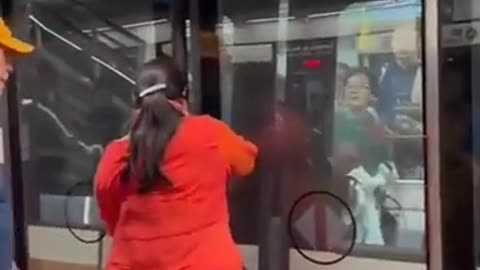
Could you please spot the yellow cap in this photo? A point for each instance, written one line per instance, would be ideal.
(9, 42)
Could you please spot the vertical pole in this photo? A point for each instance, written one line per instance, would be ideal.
(274, 250)
(100, 253)
(10, 9)
(432, 109)
(195, 98)
(476, 150)
(178, 18)
(209, 58)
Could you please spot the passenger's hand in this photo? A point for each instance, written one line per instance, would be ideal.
(380, 133)
(390, 134)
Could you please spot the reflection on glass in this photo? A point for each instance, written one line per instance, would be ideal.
(378, 123)
(75, 96)
(348, 119)
(362, 151)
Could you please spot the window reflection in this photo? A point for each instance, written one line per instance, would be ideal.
(351, 111)
(363, 142)
(378, 125)
(75, 96)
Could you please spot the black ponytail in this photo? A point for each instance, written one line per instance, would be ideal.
(155, 122)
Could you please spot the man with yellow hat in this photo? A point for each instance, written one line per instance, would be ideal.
(10, 48)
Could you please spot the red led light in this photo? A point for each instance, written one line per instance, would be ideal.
(312, 63)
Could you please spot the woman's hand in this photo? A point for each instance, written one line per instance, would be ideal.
(125, 138)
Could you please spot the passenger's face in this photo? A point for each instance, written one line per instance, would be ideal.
(6, 68)
(357, 92)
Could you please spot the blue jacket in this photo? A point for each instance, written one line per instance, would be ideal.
(6, 236)
(4, 191)
(395, 87)
(6, 230)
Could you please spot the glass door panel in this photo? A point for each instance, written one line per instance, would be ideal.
(74, 98)
(332, 94)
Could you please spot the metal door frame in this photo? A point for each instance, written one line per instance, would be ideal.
(431, 33)
(10, 9)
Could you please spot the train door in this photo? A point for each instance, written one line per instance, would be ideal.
(333, 95)
(74, 96)
(459, 131)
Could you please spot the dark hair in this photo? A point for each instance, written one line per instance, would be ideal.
(156, 121)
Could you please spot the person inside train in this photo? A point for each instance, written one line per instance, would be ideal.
(359, 102)
(362, 154)
(161, 189)
(399, 80)
(10, 47)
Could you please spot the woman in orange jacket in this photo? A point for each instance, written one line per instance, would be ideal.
(161, 190)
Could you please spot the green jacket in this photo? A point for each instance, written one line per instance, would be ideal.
(358, 129)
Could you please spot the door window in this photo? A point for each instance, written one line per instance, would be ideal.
(332, 94)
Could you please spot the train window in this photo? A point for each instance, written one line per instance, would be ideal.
(380, 113)
(334, 100)
(75, 96)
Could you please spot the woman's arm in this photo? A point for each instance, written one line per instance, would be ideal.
(108, 189)
(239, 152)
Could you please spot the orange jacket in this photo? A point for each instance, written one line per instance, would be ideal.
(199, 160)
